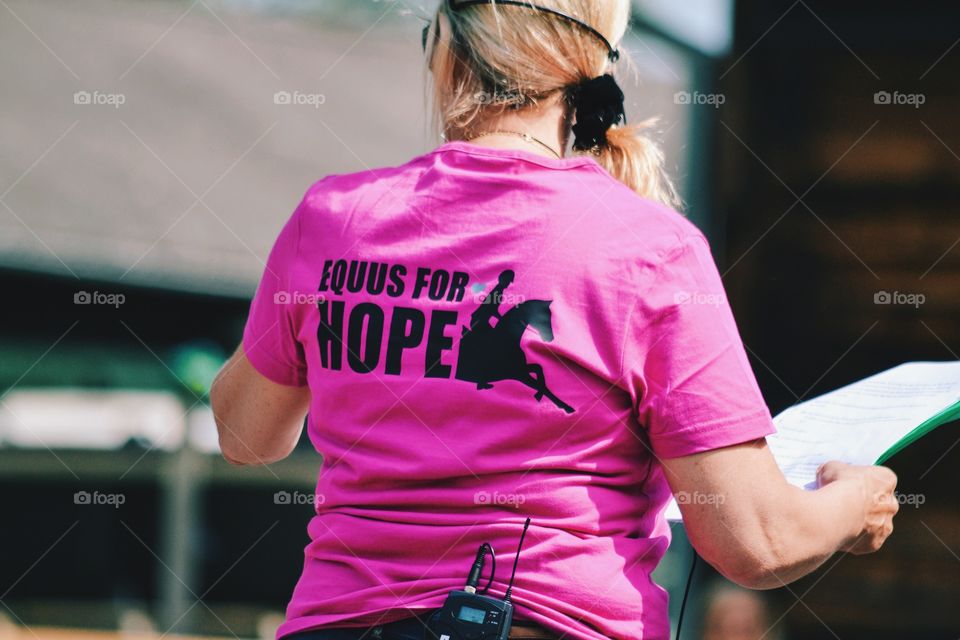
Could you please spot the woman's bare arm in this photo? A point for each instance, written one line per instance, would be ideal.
(745, 519)
(258, 420)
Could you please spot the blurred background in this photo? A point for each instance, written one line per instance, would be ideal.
(150, 151)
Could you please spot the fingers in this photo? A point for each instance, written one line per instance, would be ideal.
(881, 478)
(886, 476)
(830, 471)
(878, 502)
(872, 541)
(883, 506)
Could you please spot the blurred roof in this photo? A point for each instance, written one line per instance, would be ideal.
(177, 168)
(186, 183)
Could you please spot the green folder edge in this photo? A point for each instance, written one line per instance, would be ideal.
(947, 415)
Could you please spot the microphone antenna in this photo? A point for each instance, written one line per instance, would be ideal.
(513, 574)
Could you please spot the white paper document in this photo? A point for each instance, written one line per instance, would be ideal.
(865, 422)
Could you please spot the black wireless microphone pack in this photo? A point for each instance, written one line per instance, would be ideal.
(469, 615)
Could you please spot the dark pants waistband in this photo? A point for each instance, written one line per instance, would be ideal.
(412, 628)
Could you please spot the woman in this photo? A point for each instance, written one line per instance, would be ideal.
(497, 329)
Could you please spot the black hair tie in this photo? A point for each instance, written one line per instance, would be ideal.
(599, 106)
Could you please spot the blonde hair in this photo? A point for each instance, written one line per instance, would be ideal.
(492, 59)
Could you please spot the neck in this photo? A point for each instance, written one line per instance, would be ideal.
(548, 122)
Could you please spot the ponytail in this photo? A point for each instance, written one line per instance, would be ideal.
(622, 150)
(638, 162)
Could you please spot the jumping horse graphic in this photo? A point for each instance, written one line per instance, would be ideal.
(491, 353)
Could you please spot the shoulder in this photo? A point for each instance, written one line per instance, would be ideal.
(340, 187)
(344, 192)
(640, 229)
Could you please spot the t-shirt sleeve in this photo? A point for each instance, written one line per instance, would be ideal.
(270, 335)
(684, 362)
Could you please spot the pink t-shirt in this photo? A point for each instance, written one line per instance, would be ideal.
(490, 334)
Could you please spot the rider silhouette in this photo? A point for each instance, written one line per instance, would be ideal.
(493, 352)
(489, 308)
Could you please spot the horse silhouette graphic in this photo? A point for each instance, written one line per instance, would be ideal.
(491, 353)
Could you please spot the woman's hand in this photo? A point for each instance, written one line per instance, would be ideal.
(879, 503)
(762, 532)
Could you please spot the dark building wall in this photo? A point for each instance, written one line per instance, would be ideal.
(832, 198)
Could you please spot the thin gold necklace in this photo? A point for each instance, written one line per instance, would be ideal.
(526, 137)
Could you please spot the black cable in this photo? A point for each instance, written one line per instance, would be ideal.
(473, 579)
(493, 567)
(686, 592)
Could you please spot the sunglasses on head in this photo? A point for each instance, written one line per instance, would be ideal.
(612, 53)
(425, 35)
